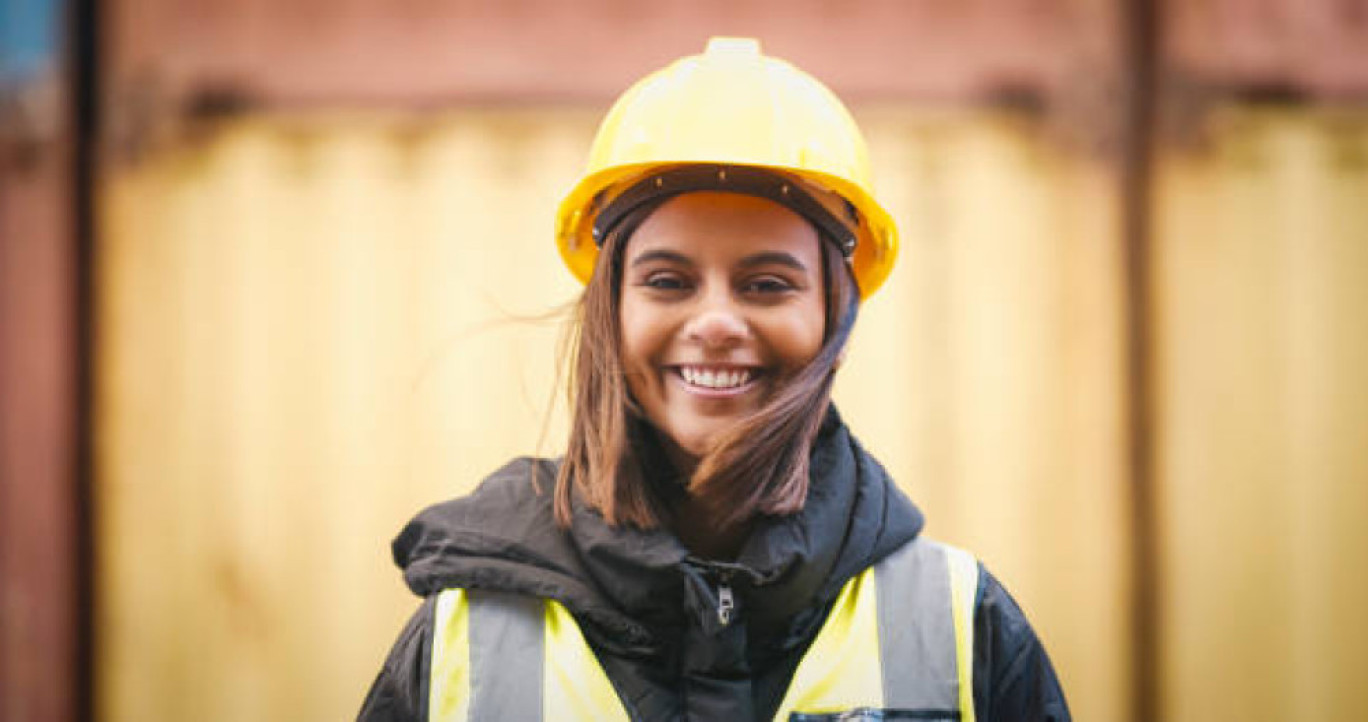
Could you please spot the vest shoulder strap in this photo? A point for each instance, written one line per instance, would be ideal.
(500, 656)
(899, 637)
(927, 592)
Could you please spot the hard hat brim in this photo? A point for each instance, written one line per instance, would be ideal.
(876, 242)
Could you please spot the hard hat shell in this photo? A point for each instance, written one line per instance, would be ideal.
(730, 106)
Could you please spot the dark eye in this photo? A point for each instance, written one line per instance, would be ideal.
(664, 282)
(767, 285)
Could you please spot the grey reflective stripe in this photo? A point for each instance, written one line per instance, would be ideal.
(917, 628)
(506, 640)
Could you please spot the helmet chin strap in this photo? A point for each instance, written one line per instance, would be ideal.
(746, 180)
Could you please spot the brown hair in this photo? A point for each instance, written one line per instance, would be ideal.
(759, 466)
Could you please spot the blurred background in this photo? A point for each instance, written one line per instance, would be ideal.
(274, 276)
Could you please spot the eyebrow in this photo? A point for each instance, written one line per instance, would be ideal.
(759, 259)
(661, 255)
(773, 257)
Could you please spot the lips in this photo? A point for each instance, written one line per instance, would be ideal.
(720, 378)
(717, 378)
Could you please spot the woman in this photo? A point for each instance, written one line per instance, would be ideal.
(714, 545)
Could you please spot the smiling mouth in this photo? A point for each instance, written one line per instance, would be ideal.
(719, 379)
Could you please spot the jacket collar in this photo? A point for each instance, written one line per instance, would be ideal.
(637, 589)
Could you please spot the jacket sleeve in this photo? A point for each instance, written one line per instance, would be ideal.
(1013, 678)
(400, 690)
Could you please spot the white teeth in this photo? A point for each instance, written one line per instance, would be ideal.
(715, 379)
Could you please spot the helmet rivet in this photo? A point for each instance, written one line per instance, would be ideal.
(658, 182)
(784, 190)
(722, 176)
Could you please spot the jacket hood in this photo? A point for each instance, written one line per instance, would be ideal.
(634, 589)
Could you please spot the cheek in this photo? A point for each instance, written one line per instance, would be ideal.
(806, 342)
(640, 341)
(802, 336)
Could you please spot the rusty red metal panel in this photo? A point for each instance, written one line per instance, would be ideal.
(165, 55)
(40, 579)
(1315, 48)
(38, 524)
(431, 52)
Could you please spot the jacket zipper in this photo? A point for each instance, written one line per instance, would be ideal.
(726, 604)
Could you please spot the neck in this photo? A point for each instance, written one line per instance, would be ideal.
(684, 463)
(692, 521)
(697, 528)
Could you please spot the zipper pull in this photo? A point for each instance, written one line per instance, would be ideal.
(726, 604)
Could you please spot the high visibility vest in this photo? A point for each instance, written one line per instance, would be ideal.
(899, 638)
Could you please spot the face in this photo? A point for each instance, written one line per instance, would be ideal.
(722, 301)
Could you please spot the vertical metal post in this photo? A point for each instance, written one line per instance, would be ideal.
(1140, 36)
(83, 53)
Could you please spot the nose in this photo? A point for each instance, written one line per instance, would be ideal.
(717, 323)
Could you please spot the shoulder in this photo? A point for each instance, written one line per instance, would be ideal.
(519, 488)
(508, 516)
(1013, 676)
(399, 692)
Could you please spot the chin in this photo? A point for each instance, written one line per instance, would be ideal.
(695, 448)
(699, 442)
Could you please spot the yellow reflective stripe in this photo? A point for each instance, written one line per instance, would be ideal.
(841, 669)
(963, 587)
(449, 690)
(574, 684)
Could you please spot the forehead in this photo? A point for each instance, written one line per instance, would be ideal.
(708, 220)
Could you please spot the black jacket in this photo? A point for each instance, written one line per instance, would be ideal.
(648, 608)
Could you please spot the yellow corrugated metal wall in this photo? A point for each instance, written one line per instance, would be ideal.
(310, 327)
(988, 373)
(1261, 291)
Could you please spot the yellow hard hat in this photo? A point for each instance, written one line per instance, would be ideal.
(731, 113)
